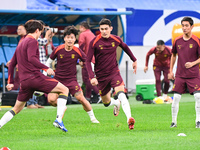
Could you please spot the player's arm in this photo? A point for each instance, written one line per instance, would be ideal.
(12, 64)
(191, 64)
(172, 62)
(32, 58)
(90, 54)
(130, 54)
(150, 52)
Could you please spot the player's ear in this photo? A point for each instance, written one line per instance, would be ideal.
(111, 28)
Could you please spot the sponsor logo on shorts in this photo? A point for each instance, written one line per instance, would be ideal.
(100, 92)
(76, 87)
(154, 68)
(173, 86)
(196, 87)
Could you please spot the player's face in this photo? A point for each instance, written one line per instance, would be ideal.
(160, 48)
(70, 40)
(186, 27)
(81, 28)
(21, 31)
(105, 30)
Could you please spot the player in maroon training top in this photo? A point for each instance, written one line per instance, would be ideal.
(31, 79)
(187, 47)
(103, 47)
(161, 64)
(84, 40)
(67, 55)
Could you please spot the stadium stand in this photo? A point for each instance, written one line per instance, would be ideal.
(7, 49)
(56, 41)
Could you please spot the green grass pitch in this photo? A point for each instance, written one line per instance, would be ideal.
(32, 129)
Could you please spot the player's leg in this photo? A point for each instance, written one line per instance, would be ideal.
(178, 88)
(166, 80)
(109, 101)
(52, 99)
(197, 108)
(157, 73)
(194, 87)
(86, 106)
(175, 109)
(11, 113)
(61, 104)
(125, 105)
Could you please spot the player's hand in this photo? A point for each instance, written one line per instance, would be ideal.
(171, 76)
(94, 81)
(189, 65)
(50, 72)
(134, 67)
(145, 69)
(9, 86)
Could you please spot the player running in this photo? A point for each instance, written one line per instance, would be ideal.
(187, 47)
(31, 79)
(67, 55)
(103, 47)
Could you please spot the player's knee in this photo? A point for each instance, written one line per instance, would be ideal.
(176, 98)
(106, 104)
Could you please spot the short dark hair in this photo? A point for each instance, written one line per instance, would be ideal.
(85, 25)
(105, 21)
(70, 29)
(32, 25)
(20, 25)
(188, 19)
(160, 42)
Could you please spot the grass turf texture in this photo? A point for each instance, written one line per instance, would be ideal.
(32, 129)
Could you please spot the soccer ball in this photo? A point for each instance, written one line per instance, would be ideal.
(158, 100)
(5, 148)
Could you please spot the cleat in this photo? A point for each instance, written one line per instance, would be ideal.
(173, 125)
(131, 123)
(116, 109)
(60, 125)
(198, 124)
(95, 121)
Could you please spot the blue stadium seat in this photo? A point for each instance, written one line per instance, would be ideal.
(9, 45)
(2, 60)
(13, 41)
(4, 41)
(55, 41)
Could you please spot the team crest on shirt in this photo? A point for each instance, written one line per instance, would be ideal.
(113, 44)
(179, 46)
(191, 45)
(73, 56)
(101, 46)
(61, 56)
(165, 55)
(118, 82)
(154, 68)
